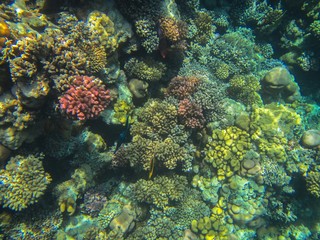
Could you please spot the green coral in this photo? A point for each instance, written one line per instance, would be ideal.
(147, 70)
(122, 110)
(205, 28)
(313, 183)
(315, 28)
(244, 88)
(161, 191)
(23, 182)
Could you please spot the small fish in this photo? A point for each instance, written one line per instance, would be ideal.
(151, 167)
(123, 135)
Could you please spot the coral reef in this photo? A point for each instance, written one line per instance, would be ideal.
(85, 98)
(160, 191)
(173, 119)
(191, 114)
(69, 191)
(23, 182)
(146, 70)
(278, 82)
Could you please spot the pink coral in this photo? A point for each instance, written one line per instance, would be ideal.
(85, 98)
(191, 114)
(181, 87)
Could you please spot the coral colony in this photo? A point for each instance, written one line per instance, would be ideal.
(159, 119)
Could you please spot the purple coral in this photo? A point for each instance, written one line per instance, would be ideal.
(93, 202)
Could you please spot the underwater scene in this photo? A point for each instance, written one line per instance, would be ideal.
(159, 119)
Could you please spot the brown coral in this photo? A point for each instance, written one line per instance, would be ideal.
(181, 87)
(172, 29)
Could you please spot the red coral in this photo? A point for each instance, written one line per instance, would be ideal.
(191, 114)
(85, 98)
(182, 87)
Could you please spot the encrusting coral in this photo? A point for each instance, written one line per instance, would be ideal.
(23, 182)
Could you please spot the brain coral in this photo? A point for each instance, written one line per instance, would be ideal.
(22, 182)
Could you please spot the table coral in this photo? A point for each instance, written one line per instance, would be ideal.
(85, 98)
(23, 182)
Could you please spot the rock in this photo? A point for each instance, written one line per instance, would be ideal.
(311, 138)
(279, 83)
(4, 155)
(138, 88)
(125, 221)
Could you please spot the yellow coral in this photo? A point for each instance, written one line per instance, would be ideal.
(23, 182)
(101, 25)
(69, 191)
(226, 150)
(122, 110)
(313, 183)
(174, 30)
(269, 127)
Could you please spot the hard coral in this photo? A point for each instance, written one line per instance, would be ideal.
(161, 191)
(191, 114)
(173, 29)
(85, 98)
(22, 182)
(181, 87)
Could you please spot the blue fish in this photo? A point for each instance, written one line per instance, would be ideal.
(123, 135)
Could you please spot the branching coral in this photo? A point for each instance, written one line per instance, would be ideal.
(146, 30)
(155, 119)
(158, 141)
(313, 183)
(147, 70)
(191, 114)
(245, 89)
(85, 98)
(161, 191)
(172, 29)
(23, 182)
(182, 87)
(205, 28)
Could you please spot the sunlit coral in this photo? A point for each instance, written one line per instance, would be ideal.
(85, 98)
(23, 182)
